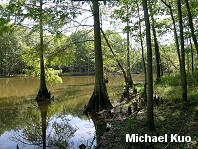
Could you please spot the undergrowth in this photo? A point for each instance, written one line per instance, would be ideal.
(169, 119)
(170, 87)
(172, 117)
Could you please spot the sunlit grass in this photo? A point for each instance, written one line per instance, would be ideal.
(169, 92)
(170, 88)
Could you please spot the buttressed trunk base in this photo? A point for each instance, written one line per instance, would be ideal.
(99, 99)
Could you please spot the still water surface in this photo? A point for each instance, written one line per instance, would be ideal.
(59, 124)
(17, 87)
(56, 125)
(23, 121)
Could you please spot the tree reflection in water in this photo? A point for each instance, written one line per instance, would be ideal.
(100, 126)
(36, 132)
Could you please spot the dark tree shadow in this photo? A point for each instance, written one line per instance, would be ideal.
(100, 126)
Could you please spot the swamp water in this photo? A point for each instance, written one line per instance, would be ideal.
(59, 124)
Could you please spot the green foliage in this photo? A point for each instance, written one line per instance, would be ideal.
(84, 51)
(116, 42)
(134, 128)
(52, 76)
(61, 51)
(175, 80)
(171, 80)
(10, 50)
(169, 87)
(192, 79)
(31, 58)
(54, 15)
(169, 119)
(57, 55)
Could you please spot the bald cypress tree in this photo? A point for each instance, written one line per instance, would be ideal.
(43, 91)
(99, 99)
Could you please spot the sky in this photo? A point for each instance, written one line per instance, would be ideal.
(107, 23)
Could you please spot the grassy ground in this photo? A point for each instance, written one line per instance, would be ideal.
(171, 117)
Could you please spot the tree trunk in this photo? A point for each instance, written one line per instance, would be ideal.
(183, 71)
(182, 55)
(150, 117)
(187, 56)
(175, 34)
(161, 68)
(192, 57)
(43, 93)
(129, 78)
(157, 53)
(99, 99)
(191, 25)
(188, 62)
(142, 47)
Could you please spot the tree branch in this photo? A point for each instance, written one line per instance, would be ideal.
(123, 71)
(166, 4)
(67, 46)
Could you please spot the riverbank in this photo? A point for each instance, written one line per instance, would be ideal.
(172, 117)
(169, 119)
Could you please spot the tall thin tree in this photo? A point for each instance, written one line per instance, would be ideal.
(142, 49)
(128, 70)
(157, 53)
(190, 19)
(175, 32)
(183, 71)
(150, 117)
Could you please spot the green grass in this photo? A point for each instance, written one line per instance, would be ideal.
(170, 88)
(169, 119)
(172, 117)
